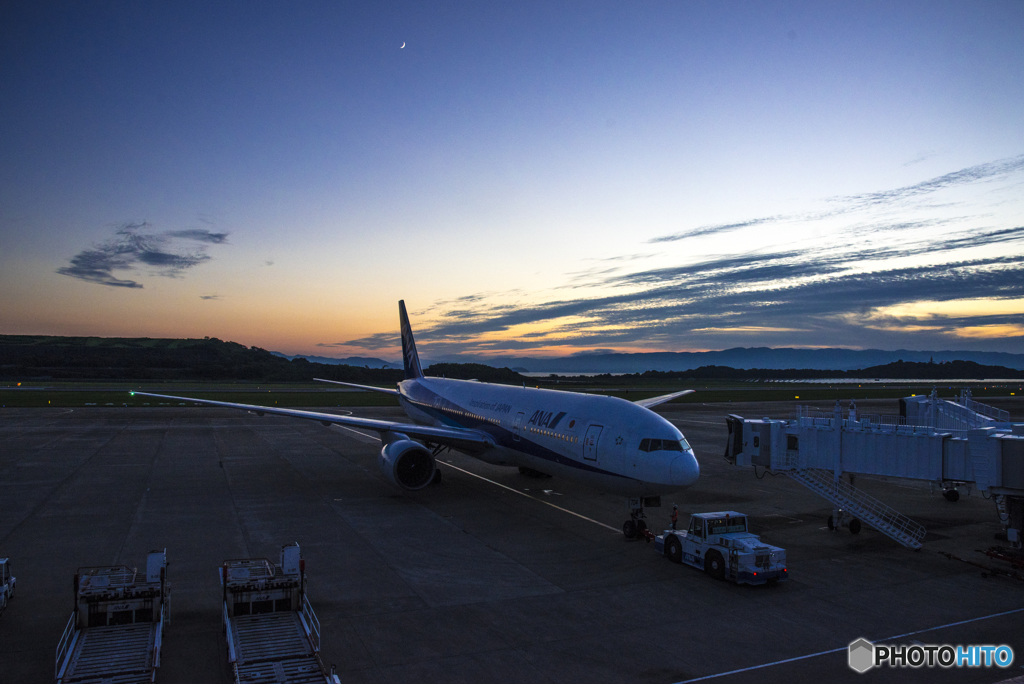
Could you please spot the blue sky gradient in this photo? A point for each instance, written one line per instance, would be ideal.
(540, 177)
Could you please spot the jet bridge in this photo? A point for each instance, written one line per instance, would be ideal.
(951, 443)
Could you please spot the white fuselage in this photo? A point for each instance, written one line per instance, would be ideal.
(606, 442)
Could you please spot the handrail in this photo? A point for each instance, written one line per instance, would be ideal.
(314, 623)
(882, 517)
(986, 410)
(158, 642)
(66, 641)
(229, 636)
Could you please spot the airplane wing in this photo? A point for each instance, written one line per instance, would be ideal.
(654, 401)
(370, 388)
(463, 439)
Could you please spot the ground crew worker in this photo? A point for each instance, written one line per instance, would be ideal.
(675, 516)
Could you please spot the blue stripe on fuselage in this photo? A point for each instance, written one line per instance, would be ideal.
(423, 399)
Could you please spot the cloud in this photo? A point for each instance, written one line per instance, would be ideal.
(844, 204)
(923, 156)
(840, 275)
(375, 341)
(132, 246)
(714, 229)
(821, 302)
(199, 235)
(972, 174)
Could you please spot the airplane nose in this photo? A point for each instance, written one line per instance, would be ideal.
(685, 470)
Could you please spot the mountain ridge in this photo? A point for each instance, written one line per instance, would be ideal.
(745, 358)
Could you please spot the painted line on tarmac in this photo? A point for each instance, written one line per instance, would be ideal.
(844, 648)
(514, 491)
(546, 503)
(359, 436)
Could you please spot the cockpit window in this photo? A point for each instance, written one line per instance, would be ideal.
(651, 444)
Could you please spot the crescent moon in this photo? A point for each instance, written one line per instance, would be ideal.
(403, 45)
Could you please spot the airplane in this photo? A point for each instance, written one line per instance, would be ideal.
(610, 444)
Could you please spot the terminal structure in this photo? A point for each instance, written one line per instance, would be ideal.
(959, 443)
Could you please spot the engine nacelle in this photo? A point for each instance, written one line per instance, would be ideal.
(408, 464)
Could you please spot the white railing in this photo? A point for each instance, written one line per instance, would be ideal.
(229, 635)
(67, 642)
(883, 518)
(995, 414)
(248, 571)
(312, 623)
(158, 642)
(884, 420)
(943, 422)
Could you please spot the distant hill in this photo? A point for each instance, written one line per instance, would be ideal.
(123, 358)
(474, 371)
(116, 358)
(363, 361)
(901, 370)
(750, 358)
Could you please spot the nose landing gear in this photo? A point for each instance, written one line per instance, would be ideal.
(636, 526)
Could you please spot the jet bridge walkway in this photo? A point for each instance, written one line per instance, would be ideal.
(950, 443)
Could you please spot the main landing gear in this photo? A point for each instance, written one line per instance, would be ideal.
(438, 449)
(841, 518)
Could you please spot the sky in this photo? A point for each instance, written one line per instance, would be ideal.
(532, 178)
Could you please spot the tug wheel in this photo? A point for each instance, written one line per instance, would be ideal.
(714, 565)
(855, 526)
(629, 529)
(641, 527)
(674, 550)
(951, 495)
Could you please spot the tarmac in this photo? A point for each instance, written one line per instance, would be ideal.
(490, 576)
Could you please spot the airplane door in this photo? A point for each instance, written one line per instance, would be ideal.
(590, 442)
(516, 426)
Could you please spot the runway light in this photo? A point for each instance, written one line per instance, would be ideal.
(797, 396)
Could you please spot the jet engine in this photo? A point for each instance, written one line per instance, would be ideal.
(408, 464)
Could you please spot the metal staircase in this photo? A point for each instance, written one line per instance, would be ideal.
(867, 508)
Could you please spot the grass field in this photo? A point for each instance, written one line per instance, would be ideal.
(315, 395)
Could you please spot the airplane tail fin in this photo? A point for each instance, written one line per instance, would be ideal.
(409, 355)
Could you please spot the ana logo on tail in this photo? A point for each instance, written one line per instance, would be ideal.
(409, 356)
